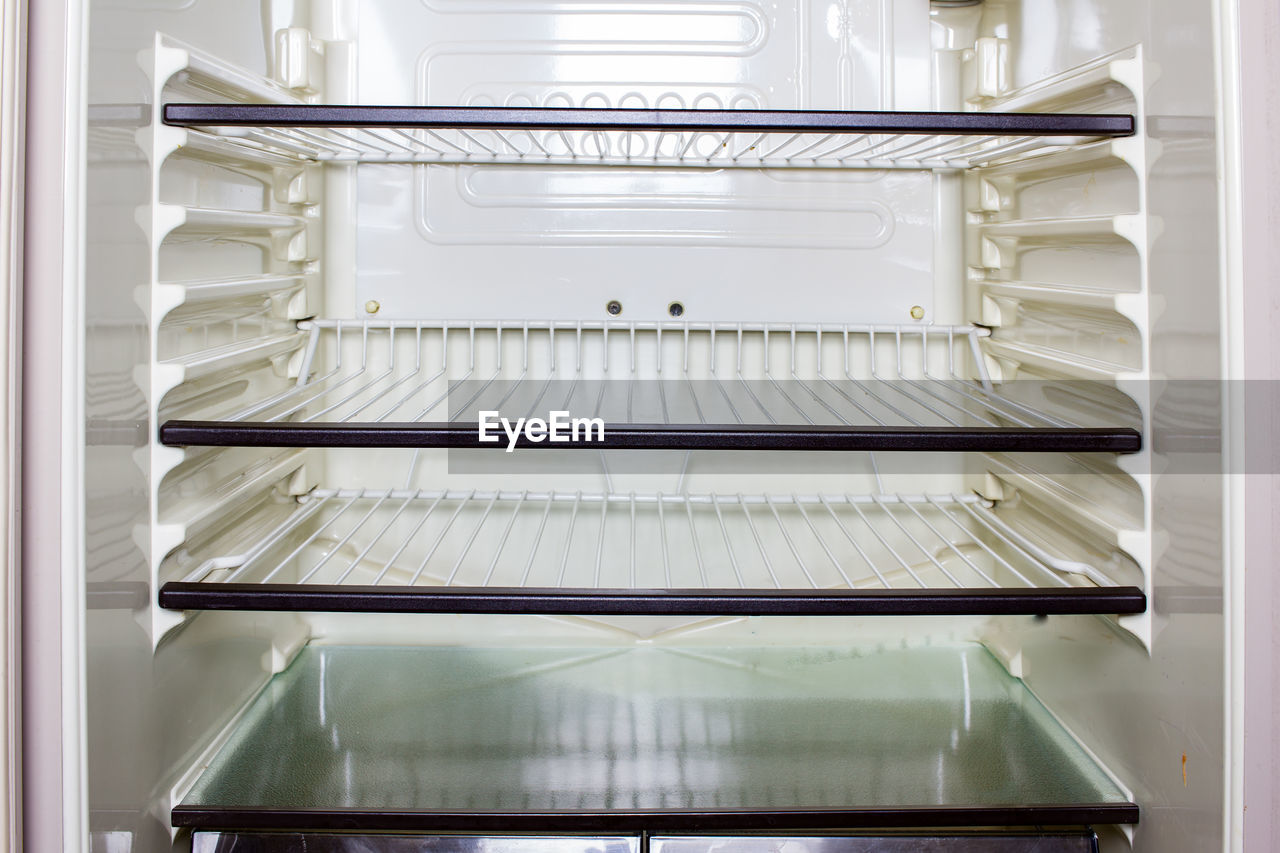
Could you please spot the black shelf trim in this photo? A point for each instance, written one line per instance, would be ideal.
(655, 820)
(553, 118)
(665, 602)
(181, 433)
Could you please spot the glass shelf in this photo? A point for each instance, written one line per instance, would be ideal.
(650, 739)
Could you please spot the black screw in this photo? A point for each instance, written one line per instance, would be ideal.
(675, 309)
(614, 307)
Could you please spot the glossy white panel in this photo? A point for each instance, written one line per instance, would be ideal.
(514, 242)
(511, 243)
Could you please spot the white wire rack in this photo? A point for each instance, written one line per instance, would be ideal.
(604, 553)
(675, 386)
(706, 138)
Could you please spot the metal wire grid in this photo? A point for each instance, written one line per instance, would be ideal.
(634, 541)
(873, 375)
(639, 148)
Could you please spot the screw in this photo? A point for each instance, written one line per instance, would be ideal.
(371, 307)
(917, 313)
(614, 307)
(675, 309)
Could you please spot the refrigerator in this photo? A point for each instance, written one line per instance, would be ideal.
(584, 425)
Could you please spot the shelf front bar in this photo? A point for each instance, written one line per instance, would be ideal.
(550, 118)
(628, 602)
(654, 820)
(661, 437)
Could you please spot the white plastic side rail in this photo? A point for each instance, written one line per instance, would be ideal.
(1129, 70)
(167, 61)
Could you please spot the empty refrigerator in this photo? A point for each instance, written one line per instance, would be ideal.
(893, 314)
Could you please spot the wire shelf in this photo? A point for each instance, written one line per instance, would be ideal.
(644, 137)
(615, 554)
(654, 386)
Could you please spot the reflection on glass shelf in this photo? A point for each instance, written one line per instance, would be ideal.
(647, 738)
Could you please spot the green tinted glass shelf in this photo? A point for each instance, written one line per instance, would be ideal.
(647, 739)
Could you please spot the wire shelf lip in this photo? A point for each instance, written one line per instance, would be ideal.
(798, 437)
(554, 118)
(625, 327)
(824, 554)
(653, 820)
(659, 602)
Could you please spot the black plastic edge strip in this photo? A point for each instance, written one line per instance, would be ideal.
(661, 437)
(623, 602)
(549, 118)
(952, 840)
(655, 820)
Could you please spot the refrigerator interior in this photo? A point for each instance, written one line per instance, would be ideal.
(335, 280)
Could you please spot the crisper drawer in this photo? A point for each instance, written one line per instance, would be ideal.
(879, 842)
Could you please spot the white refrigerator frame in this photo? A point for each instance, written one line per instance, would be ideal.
(42, 793)
(12, 148)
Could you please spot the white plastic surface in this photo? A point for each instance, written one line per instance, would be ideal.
(1058, 260)
(54, 779)
(12, 120)
(560, 243)
(228, 261)
(447, 242)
